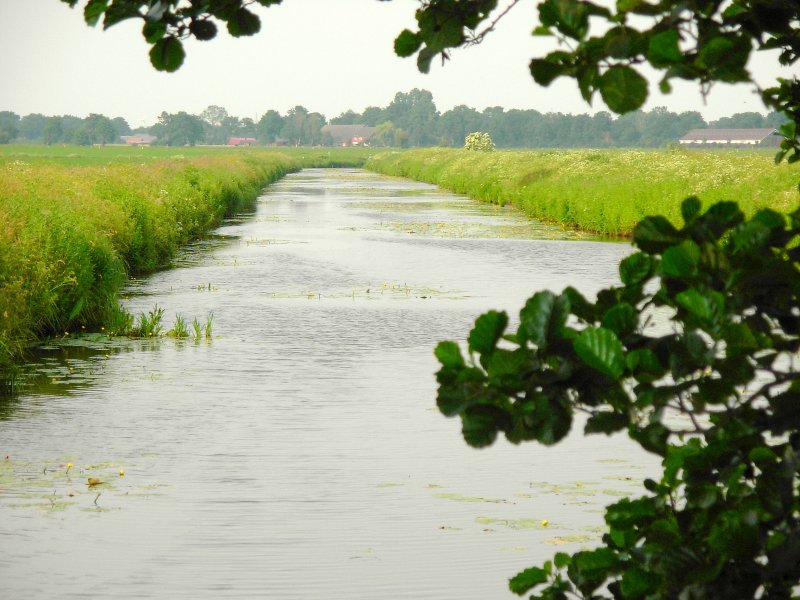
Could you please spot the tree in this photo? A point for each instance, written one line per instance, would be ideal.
(179, 129)
(415, 112)
(269, 127)
(9, 126)
(100, 129)
(31, 127)
(53, 131)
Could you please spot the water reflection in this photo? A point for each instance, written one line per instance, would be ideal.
(303, 437)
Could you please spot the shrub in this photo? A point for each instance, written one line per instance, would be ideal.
(479, 141)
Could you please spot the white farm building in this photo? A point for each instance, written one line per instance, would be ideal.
(731, 137)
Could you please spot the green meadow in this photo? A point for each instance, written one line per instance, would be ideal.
(76, 222)
(602, 191)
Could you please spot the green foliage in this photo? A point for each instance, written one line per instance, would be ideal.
(603, 191)
(180, 329)
(149, 324)
(713, 393)
(478, 141)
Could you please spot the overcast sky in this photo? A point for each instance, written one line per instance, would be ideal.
(327, 55)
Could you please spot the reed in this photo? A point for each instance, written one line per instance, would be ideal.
(75, 222)
(601, 191)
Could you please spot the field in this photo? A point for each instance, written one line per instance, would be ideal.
(75, 222)
(602, 191)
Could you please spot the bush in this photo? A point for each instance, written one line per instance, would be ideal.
(480, 141)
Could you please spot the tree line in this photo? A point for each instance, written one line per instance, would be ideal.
(411, 119)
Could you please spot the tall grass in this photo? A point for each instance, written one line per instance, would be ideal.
(75, 222)
(603, 191)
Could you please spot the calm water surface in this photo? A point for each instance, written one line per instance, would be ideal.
(298, 454)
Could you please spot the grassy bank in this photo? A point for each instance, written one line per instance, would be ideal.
(75, 222)
(603, 191)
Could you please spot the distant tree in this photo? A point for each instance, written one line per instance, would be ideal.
(269, 127)
(179, 129)
(744, 120)
(121, 126)
(53, 131)
(415, 112)
(247, 127)
(373, 115)
(383, 135)
(9, 126)
(100, 129)
(31, 127)
(456, 123)
(346, 118)
(82, 136)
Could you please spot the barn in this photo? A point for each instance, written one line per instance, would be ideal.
(349, 135)
(731, 138)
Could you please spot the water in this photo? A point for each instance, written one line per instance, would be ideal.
(298, 453)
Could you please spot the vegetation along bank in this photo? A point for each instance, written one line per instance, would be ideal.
(75, 223)
(602, 191)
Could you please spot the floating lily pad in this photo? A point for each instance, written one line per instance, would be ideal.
(460, 498)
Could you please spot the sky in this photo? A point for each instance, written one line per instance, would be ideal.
(327, 55)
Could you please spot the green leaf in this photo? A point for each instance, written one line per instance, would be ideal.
(243, 22)
(527, 579)
(637, 583)
(543, 315)
(449, 354)
(167, 54)
(487, 331)
(93, 10)
(424, 59)
(154, 31)
(407, 43)
(690, 208)
(479, 425)
(644, 365)
(655, 234)
(545, 71)
(622, 319)
(623, 89)
(703, 306)
(663, 48)
(601, 349)
(635, 268)
(681, 261)
(561, 560)
(652, 438)
(203, 29)
(606, 422)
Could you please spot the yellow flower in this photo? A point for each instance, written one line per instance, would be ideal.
(69, 466)
(121, 472)
(544, 522)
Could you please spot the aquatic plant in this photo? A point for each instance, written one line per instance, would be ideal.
(209, 324)
(198, 329)
(180, 328)
(149, 324)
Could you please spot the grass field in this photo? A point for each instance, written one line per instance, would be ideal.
(602, 191)
(75, 222)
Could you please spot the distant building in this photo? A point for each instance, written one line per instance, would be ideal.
(735, 138)
(349, 135)
(139, 139)
(241, 141)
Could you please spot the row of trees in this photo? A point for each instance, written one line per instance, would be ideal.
(411, 119)
(66, 129)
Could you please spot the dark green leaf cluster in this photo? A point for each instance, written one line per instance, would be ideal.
(167, 22)
(694, 356)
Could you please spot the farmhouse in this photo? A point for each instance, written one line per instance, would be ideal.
(735, 138)
(349, 135)
(241, 141)
(140, 139)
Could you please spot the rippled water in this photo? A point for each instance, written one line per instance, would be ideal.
(298, 453)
